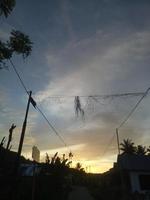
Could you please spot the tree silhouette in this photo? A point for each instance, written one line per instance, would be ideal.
(127, 147)
(6, 7)
(47, 160)
(141, 150)
(70, 155)
(79, 167)
(57, 161)
(5, 52)
(54, 158)
(148, 151)
(18, 42)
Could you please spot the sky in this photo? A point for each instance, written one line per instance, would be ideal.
(80, 48)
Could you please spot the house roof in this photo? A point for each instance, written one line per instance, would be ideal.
(134, 162)
(29, 169)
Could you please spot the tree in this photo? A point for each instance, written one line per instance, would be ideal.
(6, 7)
(127, 147)
(57, 161)
(79, 167)
(141, 150)
(148, 151)
(18, 42)
(47, 160)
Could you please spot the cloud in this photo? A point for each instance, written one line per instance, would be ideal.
(103, 60)
(101, 47)
(102, 64)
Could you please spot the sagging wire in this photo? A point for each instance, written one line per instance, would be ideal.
(133, 109)
(144, 94)
(33, 102)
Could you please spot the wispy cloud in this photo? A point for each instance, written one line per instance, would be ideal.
(109, 60)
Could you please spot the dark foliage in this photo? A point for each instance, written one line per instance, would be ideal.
(5, 51)
(128, 147)
(141, 150)
(20, 43)
(6, 7)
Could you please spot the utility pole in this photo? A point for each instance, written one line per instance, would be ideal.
(118, 141)
(24, 127)
(17, 163)
(22, 135)
(123, 185)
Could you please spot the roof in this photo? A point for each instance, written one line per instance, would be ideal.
(134, 162)
(29, 169)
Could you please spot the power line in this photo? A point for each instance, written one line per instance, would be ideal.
(18, 75)
(133, 109)
(44, 116)
(92, 96)
(51, 126)
(125, 120)
(128, 116)
(99, 95)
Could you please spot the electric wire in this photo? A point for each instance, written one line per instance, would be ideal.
(104, 96)
(19, 77)
(52, 127)
(125, 120)
(44, 116)
(93, 96)
(133, 109)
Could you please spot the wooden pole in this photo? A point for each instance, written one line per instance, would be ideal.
(24, 127)
(17, 163)
(22, 138)
(118, 141)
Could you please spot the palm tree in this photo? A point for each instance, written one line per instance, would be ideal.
(141, 150)
(6, 7)
(148, 151)
(127, 147)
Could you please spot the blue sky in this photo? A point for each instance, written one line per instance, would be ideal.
(80, 48)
